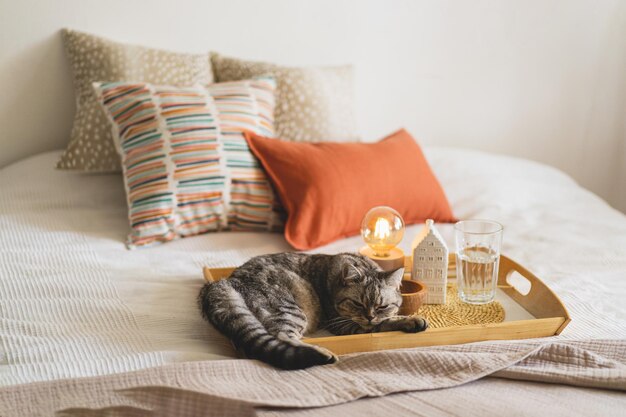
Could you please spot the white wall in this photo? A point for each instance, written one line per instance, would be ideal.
(544, 80)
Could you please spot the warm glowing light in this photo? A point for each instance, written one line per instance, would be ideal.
(382, 229)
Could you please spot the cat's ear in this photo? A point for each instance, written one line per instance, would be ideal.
(350, 275)
(394, 278)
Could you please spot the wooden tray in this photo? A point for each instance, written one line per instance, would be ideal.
(550, 317)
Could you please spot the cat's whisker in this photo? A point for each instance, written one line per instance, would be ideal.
(348, 325)
(340, 326)
(341, 320)
(336, 328)
(333, 326)
(337, 320)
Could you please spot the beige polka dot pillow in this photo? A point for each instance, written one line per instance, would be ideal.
(96, 59)
(312, 104)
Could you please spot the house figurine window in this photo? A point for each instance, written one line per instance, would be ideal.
(430, 263)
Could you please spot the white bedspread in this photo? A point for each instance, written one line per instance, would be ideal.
(75, 302)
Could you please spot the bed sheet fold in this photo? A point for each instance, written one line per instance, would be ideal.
(212, 387)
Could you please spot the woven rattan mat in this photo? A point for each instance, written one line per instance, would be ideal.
(457, 313)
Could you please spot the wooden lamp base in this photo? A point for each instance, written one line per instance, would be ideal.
(392, 262)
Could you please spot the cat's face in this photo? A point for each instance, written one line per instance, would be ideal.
(366, 295)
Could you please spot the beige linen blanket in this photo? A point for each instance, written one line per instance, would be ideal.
(240, 387)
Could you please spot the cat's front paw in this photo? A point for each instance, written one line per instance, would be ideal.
(413, 324)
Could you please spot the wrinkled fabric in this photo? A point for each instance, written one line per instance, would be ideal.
(236, 384)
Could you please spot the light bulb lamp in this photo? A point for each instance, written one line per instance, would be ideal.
(382, 229)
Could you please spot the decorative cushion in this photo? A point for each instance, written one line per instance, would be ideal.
(327, 188)
(312, 104)
(96, 59)
(187, 167)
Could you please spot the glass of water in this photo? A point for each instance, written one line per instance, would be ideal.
(477, 259)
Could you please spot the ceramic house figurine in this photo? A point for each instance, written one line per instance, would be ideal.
(430, 263)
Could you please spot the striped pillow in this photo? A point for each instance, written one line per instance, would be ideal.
(187, 167)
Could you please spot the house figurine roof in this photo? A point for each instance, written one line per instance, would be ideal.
(428, 229)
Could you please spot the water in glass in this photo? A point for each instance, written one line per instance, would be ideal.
(477, 274)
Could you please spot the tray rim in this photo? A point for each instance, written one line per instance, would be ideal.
(551, 317)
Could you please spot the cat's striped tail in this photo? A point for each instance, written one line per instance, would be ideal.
(226, 310)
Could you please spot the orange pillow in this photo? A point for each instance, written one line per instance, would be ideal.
(328, 187)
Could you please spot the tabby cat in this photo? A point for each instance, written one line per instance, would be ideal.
(271, 301)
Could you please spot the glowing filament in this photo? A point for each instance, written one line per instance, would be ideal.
(382, 230)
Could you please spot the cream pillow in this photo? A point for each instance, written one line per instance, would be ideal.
(92, 59)
(312, 104)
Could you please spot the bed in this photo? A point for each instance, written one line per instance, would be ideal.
(76, 305)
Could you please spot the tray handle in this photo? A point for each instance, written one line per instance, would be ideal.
(540, 301)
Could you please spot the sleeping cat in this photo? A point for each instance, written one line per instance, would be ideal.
(271, 301)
